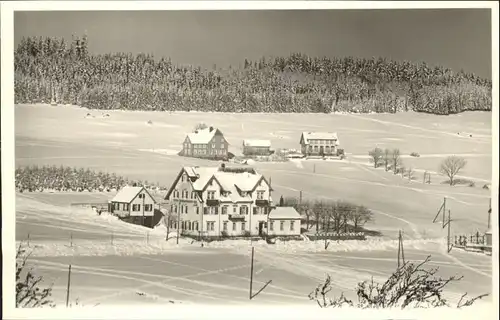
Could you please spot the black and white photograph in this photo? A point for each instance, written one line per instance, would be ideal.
(285, 154)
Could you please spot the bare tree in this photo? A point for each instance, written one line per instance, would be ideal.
(411, 285)
(451, 166)
(387, 158)
(375, 156)
(342, 214)
(396, 160)
(29, 293)
(359, 216)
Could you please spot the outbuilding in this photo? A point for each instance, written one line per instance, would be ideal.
(134, 205)
(284, 221)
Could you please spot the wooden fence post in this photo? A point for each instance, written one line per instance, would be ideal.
(69, 284)
(251, 275)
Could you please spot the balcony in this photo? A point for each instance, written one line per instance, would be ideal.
(212, 202)
(261, 202)
(237, 217)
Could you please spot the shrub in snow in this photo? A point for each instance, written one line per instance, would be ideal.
(410, 286)
(29, 293)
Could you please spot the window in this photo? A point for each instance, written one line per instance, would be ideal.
(211, 195)
(193, 195)
(224, 210)
(224, 226)
(196, 226)
(182, 178)
(127, 207)
(148, 207)
(271, 226)
(210, 225)
(243, 225)
(136, 207)
(282, 225)
(197, 209)
(234, 226)
(255, 210)
(205, 210)
(243, 210)
(216, 210)
(292, 227)
(260, 195)
(235, 207)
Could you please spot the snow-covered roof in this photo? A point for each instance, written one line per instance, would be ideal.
(230, 181)
(127, 194)
(284, 213)
(202, 135)
(319, 136)
(256, 143)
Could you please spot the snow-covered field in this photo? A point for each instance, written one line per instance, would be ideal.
(113, 262)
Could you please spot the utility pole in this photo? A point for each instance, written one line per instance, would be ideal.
(448, 223)
(401, 252)
(251, 275)
(489, 216)
(443, 207)
(399, 248)
(168, 224)
(69, 283)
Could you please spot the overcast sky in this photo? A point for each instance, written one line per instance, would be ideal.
(454, 38)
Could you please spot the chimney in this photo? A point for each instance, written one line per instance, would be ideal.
(211, 129)
(222, 166)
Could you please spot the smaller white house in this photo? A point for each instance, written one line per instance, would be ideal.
(319, 143)
(283, 221)
(133, 204)
(256, 147)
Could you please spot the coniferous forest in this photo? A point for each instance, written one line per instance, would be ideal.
(50, 70)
